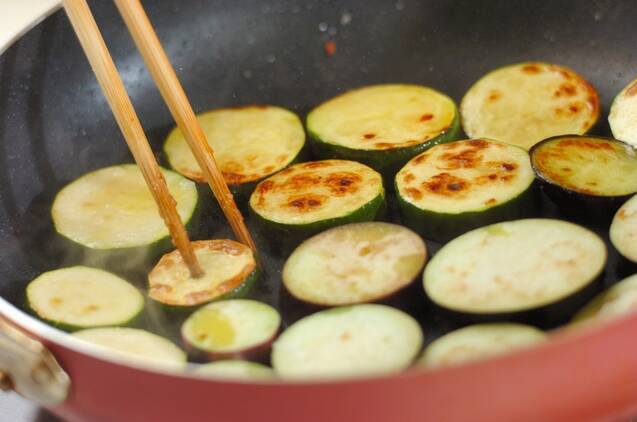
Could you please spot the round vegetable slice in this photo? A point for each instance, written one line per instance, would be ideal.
(112, 208)
(623, 114)
(526, 102)
(586, 173)
(623, 230)
(619, 299)
(237, 370)
(382, 125)
(504, 269)
(357, 340)
(308, 197)
(355, 263)
(455, 187)
(250, 143)
(479, 341)
(231, 327)
(82, 297)
(229, 270)
(135, 344)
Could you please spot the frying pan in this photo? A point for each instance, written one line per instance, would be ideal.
(55, 125)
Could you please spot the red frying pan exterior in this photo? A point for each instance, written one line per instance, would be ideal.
(574, 378)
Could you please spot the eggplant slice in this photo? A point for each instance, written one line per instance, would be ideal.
(623, 114)
(538, 268)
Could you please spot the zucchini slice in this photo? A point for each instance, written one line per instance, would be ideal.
(526, 102)
(250, 143)
(623, 114)
(135, 344)
(112, 208)
(82, 297)
(355, 263)
(309, 197)
(512, 268)
(237, 370)
(357, 340)
(455, 187)
(231, 328)
(586, 173)
(480, 341)
(382, 126)
(619, 299)
(623, 230)
(229, 271)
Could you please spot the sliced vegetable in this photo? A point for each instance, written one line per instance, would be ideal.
(586, 174)
(623, 114)
(355, 263)
(250, 143)
(309, 197)
(229, 271)
(82, 297)
(137, 345)
(455, 187)
(526, 102)
(112, 210)
(232, 328)
(357, 340)
(479, 341)
(382, 126)
(537, 269)
(618, 300)
(237, 370)
(623, 230)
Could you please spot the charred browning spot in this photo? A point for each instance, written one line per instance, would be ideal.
(451, 145)
(225, 246)
(317, 164)
(491, 201)
(306, 202)
(232, 178)
(384, 145)
(265, 186)
(413, 193)
(574, 108)
(508, 166)
(445, 184)
(369, 135)
(591, 183)
(566, 89)
(409, 177)
(506, 177)
(343, 182)
(426, 117)
(566, 169)
(421, 158)
(632, 90)
(303, 179)
(585, 144)
(622, 214)
(243, 107)
(286, 171)
(494, 95)
(268, 169)
(493, 176)
(531, 69)
(478, 143)
(365, 250)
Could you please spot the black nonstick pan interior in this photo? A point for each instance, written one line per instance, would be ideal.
(55, 124)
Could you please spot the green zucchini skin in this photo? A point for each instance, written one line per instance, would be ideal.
(586, 207)
(444, 227)
(386, 162)
(284, 237)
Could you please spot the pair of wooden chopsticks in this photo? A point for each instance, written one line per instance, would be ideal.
(171, 90)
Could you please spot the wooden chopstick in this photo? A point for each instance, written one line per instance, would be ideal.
(164, 75)
(100, 59)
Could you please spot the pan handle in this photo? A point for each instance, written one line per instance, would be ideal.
(28, 368)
